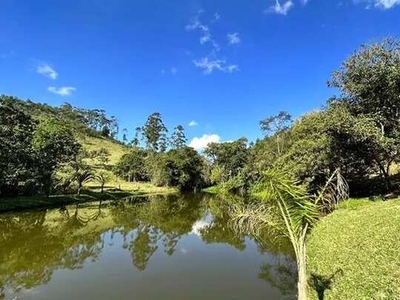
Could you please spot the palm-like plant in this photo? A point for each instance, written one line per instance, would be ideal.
(298, 212)
(102, 178)
(83, 176)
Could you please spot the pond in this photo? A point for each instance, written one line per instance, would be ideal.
(159, 247)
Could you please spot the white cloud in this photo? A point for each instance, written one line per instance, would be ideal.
(199, 143)
(385, 4)
(217, 16)
(62, 91)
(193, 123)
(196, 24)
(206, 36)
(174, 71)
(198, 226)
(233, 38)
(47, 70)
(209, 65)
(281, 9)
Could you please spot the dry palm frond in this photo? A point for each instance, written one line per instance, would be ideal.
(335, 190)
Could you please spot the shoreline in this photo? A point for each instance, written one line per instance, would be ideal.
(54, 201)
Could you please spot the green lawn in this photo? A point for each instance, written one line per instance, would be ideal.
(354, 253)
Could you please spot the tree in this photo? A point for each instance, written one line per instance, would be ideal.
(369, 83)
(105, 131)
(186, 169)
(83, 176)
(102, 178)
(102, 156)
(231, 157)
(178, 139)
(276, 126)
(136, 139)
(55, 145)
(132, 166)
(124, 135)
(154, 133)
(298, 211)
(17, 156)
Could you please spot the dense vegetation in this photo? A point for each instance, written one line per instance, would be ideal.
(55, 150)
(351, 143)
(356, 131)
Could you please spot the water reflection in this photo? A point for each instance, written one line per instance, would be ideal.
(36, 246)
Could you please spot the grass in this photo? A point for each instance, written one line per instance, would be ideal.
(215, 189)
(115, 149)
(116, 188)
(354, 252)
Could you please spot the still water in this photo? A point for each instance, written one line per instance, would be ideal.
(176, 247)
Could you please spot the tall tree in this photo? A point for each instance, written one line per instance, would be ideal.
(125, 135)
(136, 139)
(154, 133)
(178, 138)
(276, 126)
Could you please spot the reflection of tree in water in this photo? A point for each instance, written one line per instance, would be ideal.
(35, 244)
(143, 246)
(161, 219)
(31, 249)
(220, 230)
(281, 274)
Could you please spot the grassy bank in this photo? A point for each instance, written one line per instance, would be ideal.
(354, 252)
(92, 194)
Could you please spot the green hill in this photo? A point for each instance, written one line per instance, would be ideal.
(91, 128)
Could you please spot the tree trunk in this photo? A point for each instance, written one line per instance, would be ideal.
(79, 188)
(302, 293)
(386, 176)
(102, 188)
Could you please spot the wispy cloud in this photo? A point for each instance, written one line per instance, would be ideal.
(193, 123)
(172, 71)
(199, 143)
(47, 70)
(216, 18)
(212, 61)
(384, 4)
(62, 91)
(204, 29)
(233, 38)
(281, 9)
(209, 65)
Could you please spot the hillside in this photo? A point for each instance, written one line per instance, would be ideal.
(41, 156)
(117, 150)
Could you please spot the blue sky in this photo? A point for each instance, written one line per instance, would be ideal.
(223, 64)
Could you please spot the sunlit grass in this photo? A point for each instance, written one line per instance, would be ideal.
(116, 152)
(359, 246)
(96, 143)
